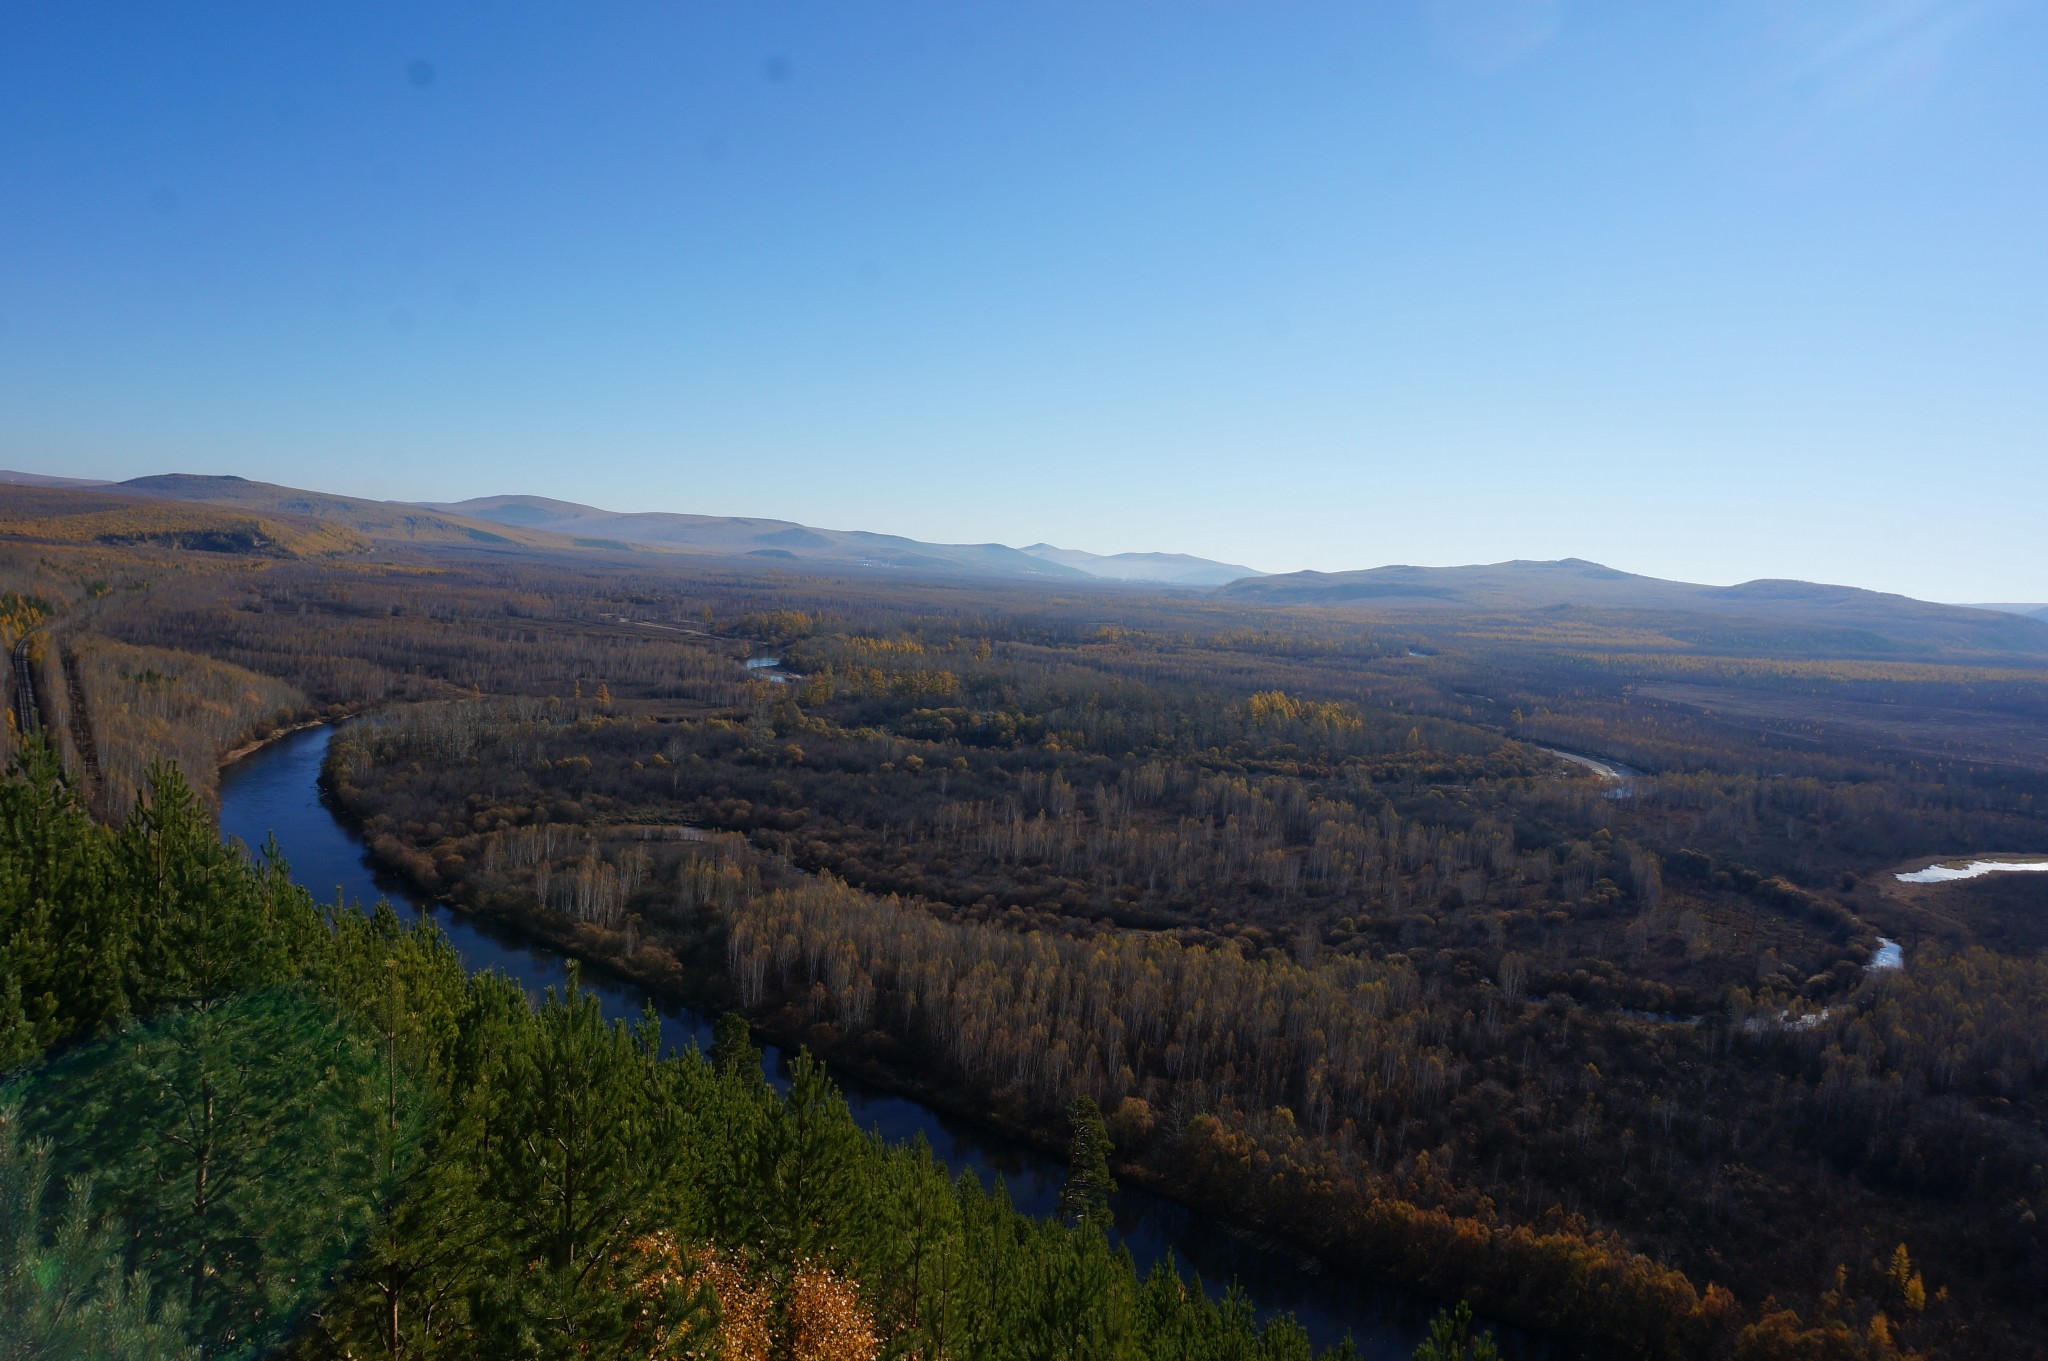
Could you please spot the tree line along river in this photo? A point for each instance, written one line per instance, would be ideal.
(275, 791)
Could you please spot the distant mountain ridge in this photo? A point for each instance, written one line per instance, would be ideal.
(10, 477)
(739, 536)
(543, 522)
(395, 521)
(1523, 586)
(1177, 569)
(731, 535)
(1793, 613)
(70, 510)
(2030, 611)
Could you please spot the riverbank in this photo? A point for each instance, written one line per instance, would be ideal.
(251, 748)
(1258, 1172)
(277, 791)
(687, 979)
(1268, 1179)
(1329, 1194)
(687, 974)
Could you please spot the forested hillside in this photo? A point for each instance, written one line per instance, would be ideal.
(266, 1127)
(1300, 899)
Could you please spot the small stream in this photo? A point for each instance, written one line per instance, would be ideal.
(275, 791)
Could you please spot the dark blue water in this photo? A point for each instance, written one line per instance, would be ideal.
(276, 792)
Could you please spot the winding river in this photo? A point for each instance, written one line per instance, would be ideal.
(275, 792)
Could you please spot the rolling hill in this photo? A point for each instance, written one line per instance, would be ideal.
(2030, 611)
(389, 521)
(1794, 617)
(1173, 569)
(17, 479)
(54, 512)
(542, 523)
(738, 536)
(1842, 619)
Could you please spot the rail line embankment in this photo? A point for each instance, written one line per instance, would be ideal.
(27, 715)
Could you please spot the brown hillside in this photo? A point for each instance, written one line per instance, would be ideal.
(69, 515)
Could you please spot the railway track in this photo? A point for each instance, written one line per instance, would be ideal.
(81, 727)
(28, 718)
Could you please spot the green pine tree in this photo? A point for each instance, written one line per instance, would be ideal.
(581, 1158)
(66, 932)
(208, 927)
(17, 1036)
(66, 1296)
(238, 1143)
(1084, 1199)
(808, 1155)
(1450, 1338)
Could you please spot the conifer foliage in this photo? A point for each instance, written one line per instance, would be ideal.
(1451, 1338)
(1084, 1199)
(310, 1132)
(64, 1290)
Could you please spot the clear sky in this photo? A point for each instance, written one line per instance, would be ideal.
(1711, 291)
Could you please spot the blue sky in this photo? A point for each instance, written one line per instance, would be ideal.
(1712, 291)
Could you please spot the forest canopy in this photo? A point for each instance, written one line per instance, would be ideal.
(1302, 901)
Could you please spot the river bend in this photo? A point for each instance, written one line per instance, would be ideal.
(275, 792)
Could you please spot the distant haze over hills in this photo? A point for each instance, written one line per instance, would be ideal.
(1857, 620)
(2031, 611)
(1175, 568)
(541, 522)
(389, 520)
(12, 478)
(736, 536)
(1890, 622)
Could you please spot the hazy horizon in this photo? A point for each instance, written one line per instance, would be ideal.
(1103, 551)
(1710, 293)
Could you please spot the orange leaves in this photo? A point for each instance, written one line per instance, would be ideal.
(661, 1280)
(862, 645)
(817, 1312)
(1905, 1281)
(1271, 708)
(827, 1321)
(746, 1309)
(924, 685)
(1564, 1278)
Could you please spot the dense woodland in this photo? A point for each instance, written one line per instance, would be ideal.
(1296, 897)
(268, 1128)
